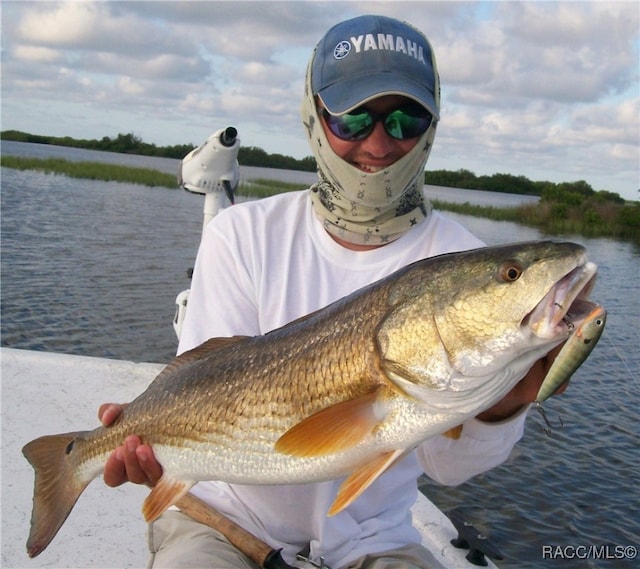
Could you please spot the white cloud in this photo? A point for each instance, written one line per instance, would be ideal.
(543, 89)
(130, 87)
(36, 54)
(71, 23)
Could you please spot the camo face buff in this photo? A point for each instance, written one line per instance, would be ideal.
(362, 207)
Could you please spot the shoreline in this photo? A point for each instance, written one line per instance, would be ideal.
(589, 217)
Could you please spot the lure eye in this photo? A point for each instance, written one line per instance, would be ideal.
(510, 271)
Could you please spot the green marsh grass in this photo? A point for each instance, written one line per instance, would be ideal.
(590, 219)
(91, 170)
(258, 188)
(262, 187)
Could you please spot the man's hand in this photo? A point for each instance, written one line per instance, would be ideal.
(524, 392)
(131, 462)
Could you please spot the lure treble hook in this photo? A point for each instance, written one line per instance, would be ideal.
(549, 428)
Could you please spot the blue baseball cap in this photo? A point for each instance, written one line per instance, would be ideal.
(369, 56)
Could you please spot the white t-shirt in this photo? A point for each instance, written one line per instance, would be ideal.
(264, 263)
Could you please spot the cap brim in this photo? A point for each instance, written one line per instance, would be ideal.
(348, 94)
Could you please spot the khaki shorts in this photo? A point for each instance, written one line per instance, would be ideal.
(176, 541)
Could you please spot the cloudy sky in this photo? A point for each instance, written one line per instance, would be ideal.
(541, 89)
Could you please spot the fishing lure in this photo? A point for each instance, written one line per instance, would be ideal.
(574, 352)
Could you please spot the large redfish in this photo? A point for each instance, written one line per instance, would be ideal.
(346, 391)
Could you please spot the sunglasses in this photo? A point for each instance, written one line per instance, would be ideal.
(408, 121)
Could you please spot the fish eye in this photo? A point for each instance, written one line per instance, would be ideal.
(510, 271)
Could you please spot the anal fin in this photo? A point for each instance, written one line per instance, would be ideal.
(362, 478)
(165, 493)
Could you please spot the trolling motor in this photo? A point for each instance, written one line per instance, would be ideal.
(211, 170)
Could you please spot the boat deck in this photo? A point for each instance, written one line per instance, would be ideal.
(45, 393)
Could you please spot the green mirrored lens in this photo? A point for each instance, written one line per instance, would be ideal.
(402, 124)
(356, 125)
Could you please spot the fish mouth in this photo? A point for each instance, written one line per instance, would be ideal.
(566, 305)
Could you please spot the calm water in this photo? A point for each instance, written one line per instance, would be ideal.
(93, 268)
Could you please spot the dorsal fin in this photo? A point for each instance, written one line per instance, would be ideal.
(202, 351)
(208, 347)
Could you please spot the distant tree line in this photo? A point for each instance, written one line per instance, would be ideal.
(495, 183)
(254, 156)
(572, 193)
(568, 193)
(123, 144)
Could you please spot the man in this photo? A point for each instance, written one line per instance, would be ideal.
(370, 110)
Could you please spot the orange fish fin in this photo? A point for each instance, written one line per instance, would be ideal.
(165, 493)
(453, 433)
(58, 485)
(362, 478)
(335, 428)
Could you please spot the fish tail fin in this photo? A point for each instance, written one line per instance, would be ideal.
(57, 487)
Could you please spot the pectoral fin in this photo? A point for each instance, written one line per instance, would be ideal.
(165, 493)
(453, 433)
(362, 478)
(335, 428)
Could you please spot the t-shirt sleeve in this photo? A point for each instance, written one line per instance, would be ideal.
(481, 447)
